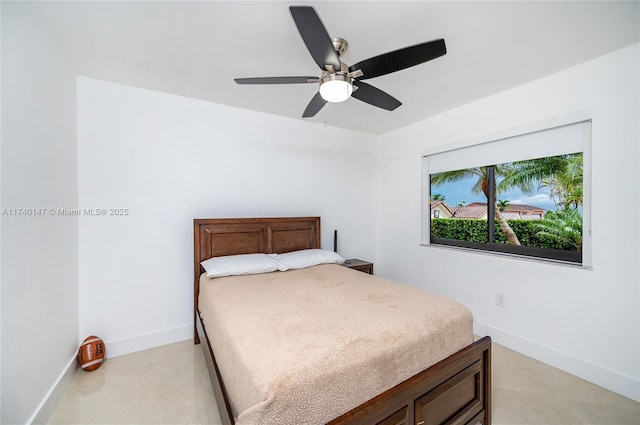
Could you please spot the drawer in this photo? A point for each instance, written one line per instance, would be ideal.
(456, 401)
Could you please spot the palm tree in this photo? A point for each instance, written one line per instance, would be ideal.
(503, 204)
(556, 191)
(572, 179)
(523, 174)
(565, 188)
(438, 197)
(564, 227)
(481, 185)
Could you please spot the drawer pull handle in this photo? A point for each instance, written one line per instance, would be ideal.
(420, 423)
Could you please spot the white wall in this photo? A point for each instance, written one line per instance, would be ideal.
(585, 322)
(170, 159)
(39, 253)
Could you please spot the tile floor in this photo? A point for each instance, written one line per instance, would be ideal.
(164, 385)
(170, 385)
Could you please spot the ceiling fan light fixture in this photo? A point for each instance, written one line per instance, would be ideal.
(337, 79)
(336, 88)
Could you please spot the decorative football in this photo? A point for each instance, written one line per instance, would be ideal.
(91, 353)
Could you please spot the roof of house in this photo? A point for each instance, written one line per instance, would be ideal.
(436, 203)
(512, 211)
(473, 210)
(523, 208)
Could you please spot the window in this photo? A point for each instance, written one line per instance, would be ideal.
(524, 195)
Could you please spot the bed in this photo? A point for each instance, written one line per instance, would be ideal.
(453, 389)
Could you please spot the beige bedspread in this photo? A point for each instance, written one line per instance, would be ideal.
(305, 346)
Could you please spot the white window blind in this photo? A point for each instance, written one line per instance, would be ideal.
(565, 139)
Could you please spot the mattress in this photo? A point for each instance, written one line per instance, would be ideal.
(305, 346)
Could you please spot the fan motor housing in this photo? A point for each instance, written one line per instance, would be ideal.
(340, 44)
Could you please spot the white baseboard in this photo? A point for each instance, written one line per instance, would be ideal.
(50, 401)
(132, 344)
(610, 379)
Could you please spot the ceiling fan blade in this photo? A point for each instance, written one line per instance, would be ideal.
(400, 59)
(374, 96)
(276, 80)
(317, 103)
(315, 36)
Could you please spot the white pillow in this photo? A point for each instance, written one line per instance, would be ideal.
(307, 258)
(235, 265)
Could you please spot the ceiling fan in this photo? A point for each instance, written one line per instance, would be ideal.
(338, 81)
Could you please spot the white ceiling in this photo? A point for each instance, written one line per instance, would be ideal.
(195, 49)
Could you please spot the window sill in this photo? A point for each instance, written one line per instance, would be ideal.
(547, 261)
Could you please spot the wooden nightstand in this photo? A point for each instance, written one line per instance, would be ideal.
(363, 266)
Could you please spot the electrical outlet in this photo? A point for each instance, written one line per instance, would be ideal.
(501, 299)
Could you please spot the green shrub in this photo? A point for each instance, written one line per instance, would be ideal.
(460, 229)
(475, 230)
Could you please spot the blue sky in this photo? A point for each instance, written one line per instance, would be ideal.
(461, 191)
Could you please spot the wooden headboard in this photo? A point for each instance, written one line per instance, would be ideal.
(215, 237)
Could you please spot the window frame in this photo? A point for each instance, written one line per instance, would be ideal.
(581, 259)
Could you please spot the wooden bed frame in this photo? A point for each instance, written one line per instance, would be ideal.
(456, 390)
